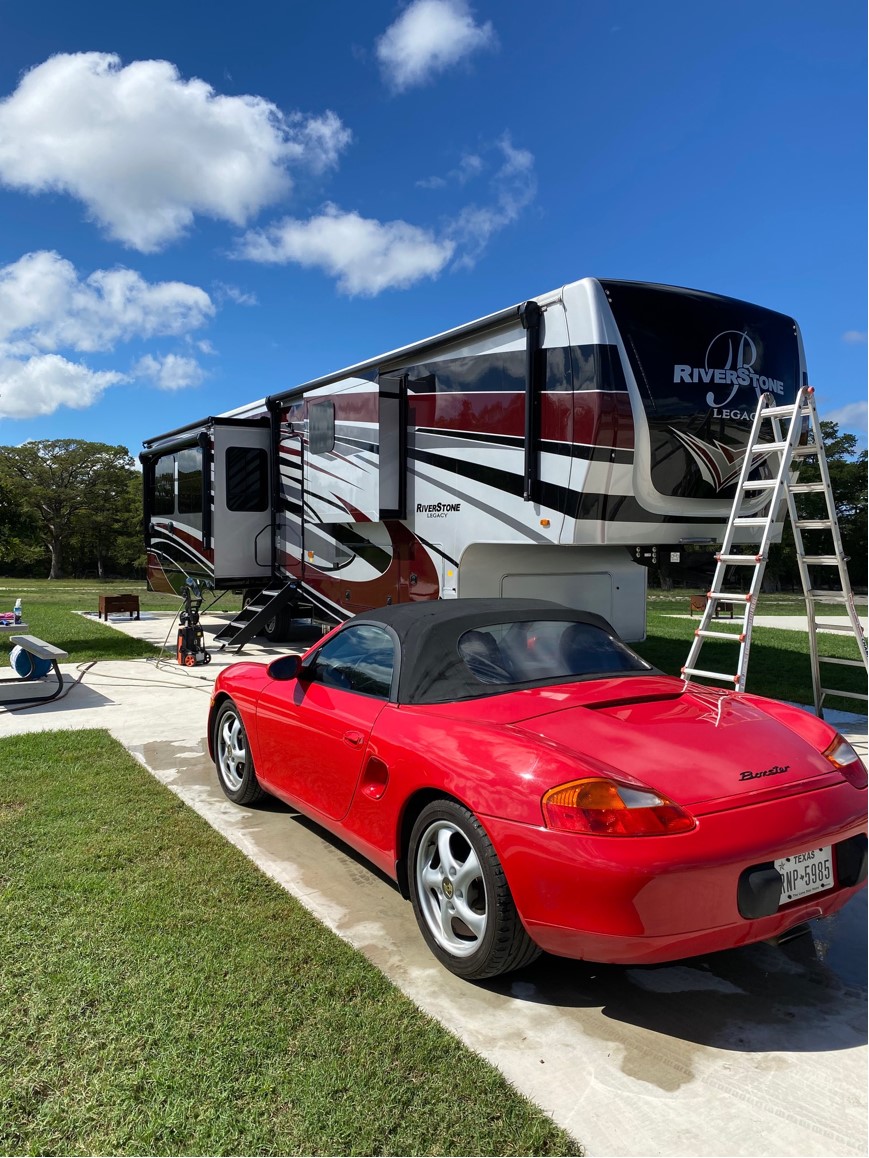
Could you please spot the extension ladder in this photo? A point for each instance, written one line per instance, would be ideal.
(783, 487)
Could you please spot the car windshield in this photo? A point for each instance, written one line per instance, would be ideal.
(527, 651)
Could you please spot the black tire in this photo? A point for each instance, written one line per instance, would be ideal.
(277, 629)
(460, 895)
(232, 759)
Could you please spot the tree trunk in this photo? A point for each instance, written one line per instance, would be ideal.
(56, 571)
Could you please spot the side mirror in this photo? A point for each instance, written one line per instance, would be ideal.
(285, 668)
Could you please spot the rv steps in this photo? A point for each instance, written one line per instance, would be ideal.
(254, 616)
(788, 450)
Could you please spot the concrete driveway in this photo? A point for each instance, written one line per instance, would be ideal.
(759, 1051)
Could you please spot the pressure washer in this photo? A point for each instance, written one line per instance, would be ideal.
(191, 648)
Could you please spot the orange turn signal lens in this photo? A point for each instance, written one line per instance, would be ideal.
(844, 757)
(602, 807)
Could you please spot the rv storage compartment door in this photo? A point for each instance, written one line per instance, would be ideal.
(242, 525)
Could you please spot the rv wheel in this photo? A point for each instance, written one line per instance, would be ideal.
(278, 628)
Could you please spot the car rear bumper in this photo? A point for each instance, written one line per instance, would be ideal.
(630, 900)
(651, 950)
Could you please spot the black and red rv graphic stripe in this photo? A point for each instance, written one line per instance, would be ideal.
(588, 417)
(410, 575)
(580, 505)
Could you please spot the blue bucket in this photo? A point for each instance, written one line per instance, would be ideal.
(28, 666)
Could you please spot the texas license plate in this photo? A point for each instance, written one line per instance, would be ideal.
(805, 873)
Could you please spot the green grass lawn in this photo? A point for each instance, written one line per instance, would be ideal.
(49, 607)
(159, 995)
(779, 659)
(676, 602)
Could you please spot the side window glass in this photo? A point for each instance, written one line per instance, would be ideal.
(164, 486)
(359, 659)
(190, 485)
(247, 480)
(190, 481)
(321, 427)
(497, 372)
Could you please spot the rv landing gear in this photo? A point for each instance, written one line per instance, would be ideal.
(191, 641)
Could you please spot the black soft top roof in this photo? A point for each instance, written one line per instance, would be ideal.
(431, 670)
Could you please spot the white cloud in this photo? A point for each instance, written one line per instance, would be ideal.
(852, 416)
(514, 187)
(365, 256)
(39, 385)
(431, 183)
(146, 150)
(46, 309)
(469, 167)
(428, 37)
(232, 293)
(170, 372)
(45, 306)
(854, 337)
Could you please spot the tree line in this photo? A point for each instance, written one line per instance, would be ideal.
(73, 508)
(70, 508)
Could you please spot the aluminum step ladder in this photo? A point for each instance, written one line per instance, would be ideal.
(786, 453)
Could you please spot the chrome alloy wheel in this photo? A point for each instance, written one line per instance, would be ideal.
(231, 751)
(451, 889)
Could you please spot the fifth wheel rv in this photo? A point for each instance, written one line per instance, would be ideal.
(521, 454)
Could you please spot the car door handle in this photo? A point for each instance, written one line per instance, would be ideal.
(354, 739)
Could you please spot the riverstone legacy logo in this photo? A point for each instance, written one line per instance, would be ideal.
(729, 361)
(438, 510)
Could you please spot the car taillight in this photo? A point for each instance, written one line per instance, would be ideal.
(842, 756)
(606, 808)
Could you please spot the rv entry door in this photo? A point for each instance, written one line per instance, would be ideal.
(242, 524)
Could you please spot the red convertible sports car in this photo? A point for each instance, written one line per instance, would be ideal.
(531, 783)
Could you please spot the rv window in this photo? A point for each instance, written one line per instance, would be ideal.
(494, 373)
(164, 486)
(700, 363)
(497, 372)
(321, 427)
(247, 479)
(190, 481)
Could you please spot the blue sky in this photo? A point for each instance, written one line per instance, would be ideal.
(204, 203)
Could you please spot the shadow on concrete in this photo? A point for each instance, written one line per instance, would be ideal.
(74, 698)
(808, 995)
(271, 804)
